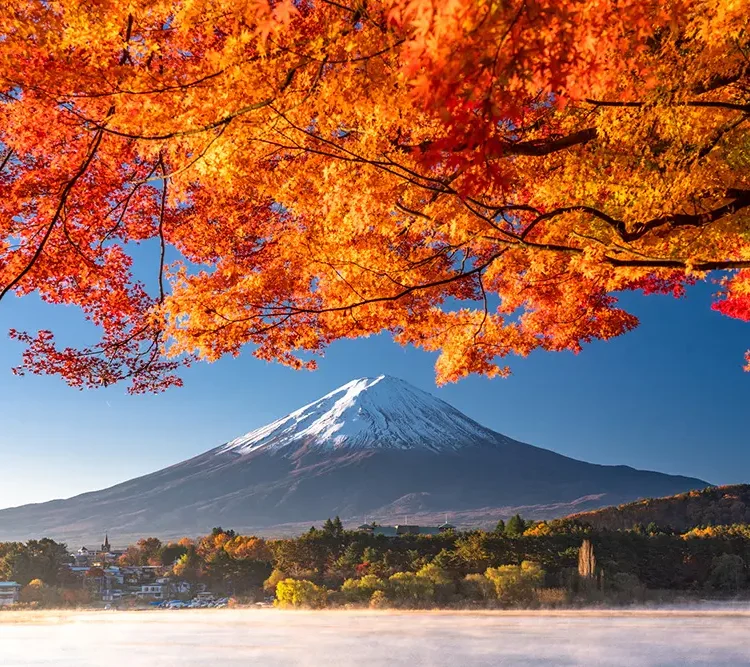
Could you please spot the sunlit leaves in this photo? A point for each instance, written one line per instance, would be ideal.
(476, 178)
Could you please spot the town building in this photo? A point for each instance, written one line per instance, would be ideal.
(151, 591)
(9, 592)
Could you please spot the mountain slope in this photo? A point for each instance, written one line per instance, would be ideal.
(374, 447)
(715, 506)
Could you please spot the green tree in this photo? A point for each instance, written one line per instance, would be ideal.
(473, 552)
(42, 559)
(441, 579)
(269, 585)
(515, 584)
(333, 528)
(171, 553)
(627, 586)
(436, 574)
(296, 593)
(500, 527)
(409, 590)
(361, 590)
(351, 557)
(652, 528)
(478, 587)
(9, 552)
(445, 559)
(189, 566)
(727, 573)
(515, 526)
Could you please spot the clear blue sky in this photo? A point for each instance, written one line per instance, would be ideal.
(670, 396)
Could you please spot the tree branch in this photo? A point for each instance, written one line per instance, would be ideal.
(534, 147)
(58, 211)
(710, 104)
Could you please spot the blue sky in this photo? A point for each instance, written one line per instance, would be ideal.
(670, 396)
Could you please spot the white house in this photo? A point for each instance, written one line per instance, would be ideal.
(9, 591)
(150, 591)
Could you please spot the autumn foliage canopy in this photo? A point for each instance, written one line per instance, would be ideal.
(476, 177)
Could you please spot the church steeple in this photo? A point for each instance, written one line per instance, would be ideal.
(105, 546)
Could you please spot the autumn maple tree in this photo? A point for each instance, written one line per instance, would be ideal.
(476, 177)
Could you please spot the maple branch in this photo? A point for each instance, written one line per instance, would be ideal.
(126, 51)
(162, 208)
(73, 243)
(541, 147)
(533, 147)
(225, 120)
(719, 135)
(125, 203)
(7, 157)
(698, 265)
(710, 104)
(440, 185)
(410, 211)
(719, 81)
(291, 310)
(644, 263)
(485, 309)
(740, 200)
(157, 91)
(58, 211)
(199, 156)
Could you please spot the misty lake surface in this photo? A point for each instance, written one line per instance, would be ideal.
(231, 638)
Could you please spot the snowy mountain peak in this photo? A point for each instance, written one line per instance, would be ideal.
(369, 413)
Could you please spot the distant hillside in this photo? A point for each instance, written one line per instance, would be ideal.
(713, 506)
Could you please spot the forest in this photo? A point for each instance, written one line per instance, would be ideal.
(562, 562)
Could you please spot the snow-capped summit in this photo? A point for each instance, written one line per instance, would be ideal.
(369, 413)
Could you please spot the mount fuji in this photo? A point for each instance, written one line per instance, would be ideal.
(375, 447)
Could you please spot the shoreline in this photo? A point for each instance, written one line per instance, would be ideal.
(60, 616)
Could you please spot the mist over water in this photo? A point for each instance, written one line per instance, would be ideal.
(410, 639)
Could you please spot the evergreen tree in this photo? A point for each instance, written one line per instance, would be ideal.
(515, 526)
(500, 528)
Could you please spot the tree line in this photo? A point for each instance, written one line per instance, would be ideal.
(518, 563)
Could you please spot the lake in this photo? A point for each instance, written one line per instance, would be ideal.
(226, 637)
